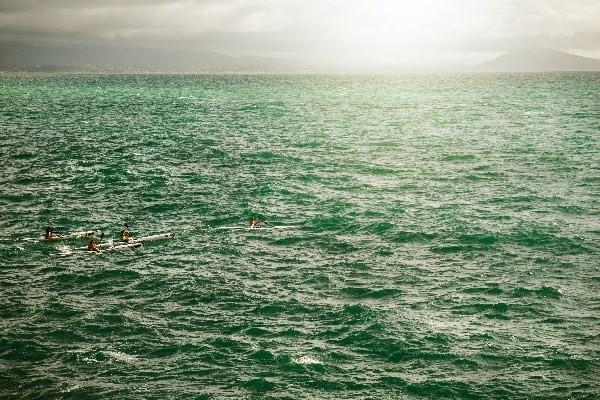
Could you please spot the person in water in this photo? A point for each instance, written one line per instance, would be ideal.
(49, 233)
(92, 246)
(125, 235)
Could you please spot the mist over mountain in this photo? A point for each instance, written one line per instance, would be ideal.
(539, 60)
(130, 59)
(123, 59)
(290, 36)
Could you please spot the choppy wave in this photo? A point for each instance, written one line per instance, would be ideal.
(443, 238)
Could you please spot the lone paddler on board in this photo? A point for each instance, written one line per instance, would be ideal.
(49, 233)
(255, 223)
(125, 235)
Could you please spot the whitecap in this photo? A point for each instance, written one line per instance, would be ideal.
(306, 360)
(64, 250)
(116, 355)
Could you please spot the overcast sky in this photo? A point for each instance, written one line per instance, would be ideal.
(350, 32)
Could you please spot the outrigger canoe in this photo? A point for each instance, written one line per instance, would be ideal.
(134, 244)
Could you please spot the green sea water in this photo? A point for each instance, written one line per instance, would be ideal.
(445, 237)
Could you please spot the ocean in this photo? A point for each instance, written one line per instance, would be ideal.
(443, 240)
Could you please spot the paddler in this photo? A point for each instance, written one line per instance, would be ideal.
(92, 246)
(255, 223)
(49, 233)
(125, 236)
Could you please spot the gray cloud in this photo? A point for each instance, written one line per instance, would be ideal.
(353, 31)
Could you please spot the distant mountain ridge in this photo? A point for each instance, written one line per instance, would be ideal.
(110, 58)
(106, 58)
(539, 60)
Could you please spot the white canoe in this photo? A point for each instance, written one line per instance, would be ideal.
(151, 238)
(154, 237)
(140, 240)
(118, 247)
(128, 246)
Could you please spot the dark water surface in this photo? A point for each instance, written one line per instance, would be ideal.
(446, 237)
